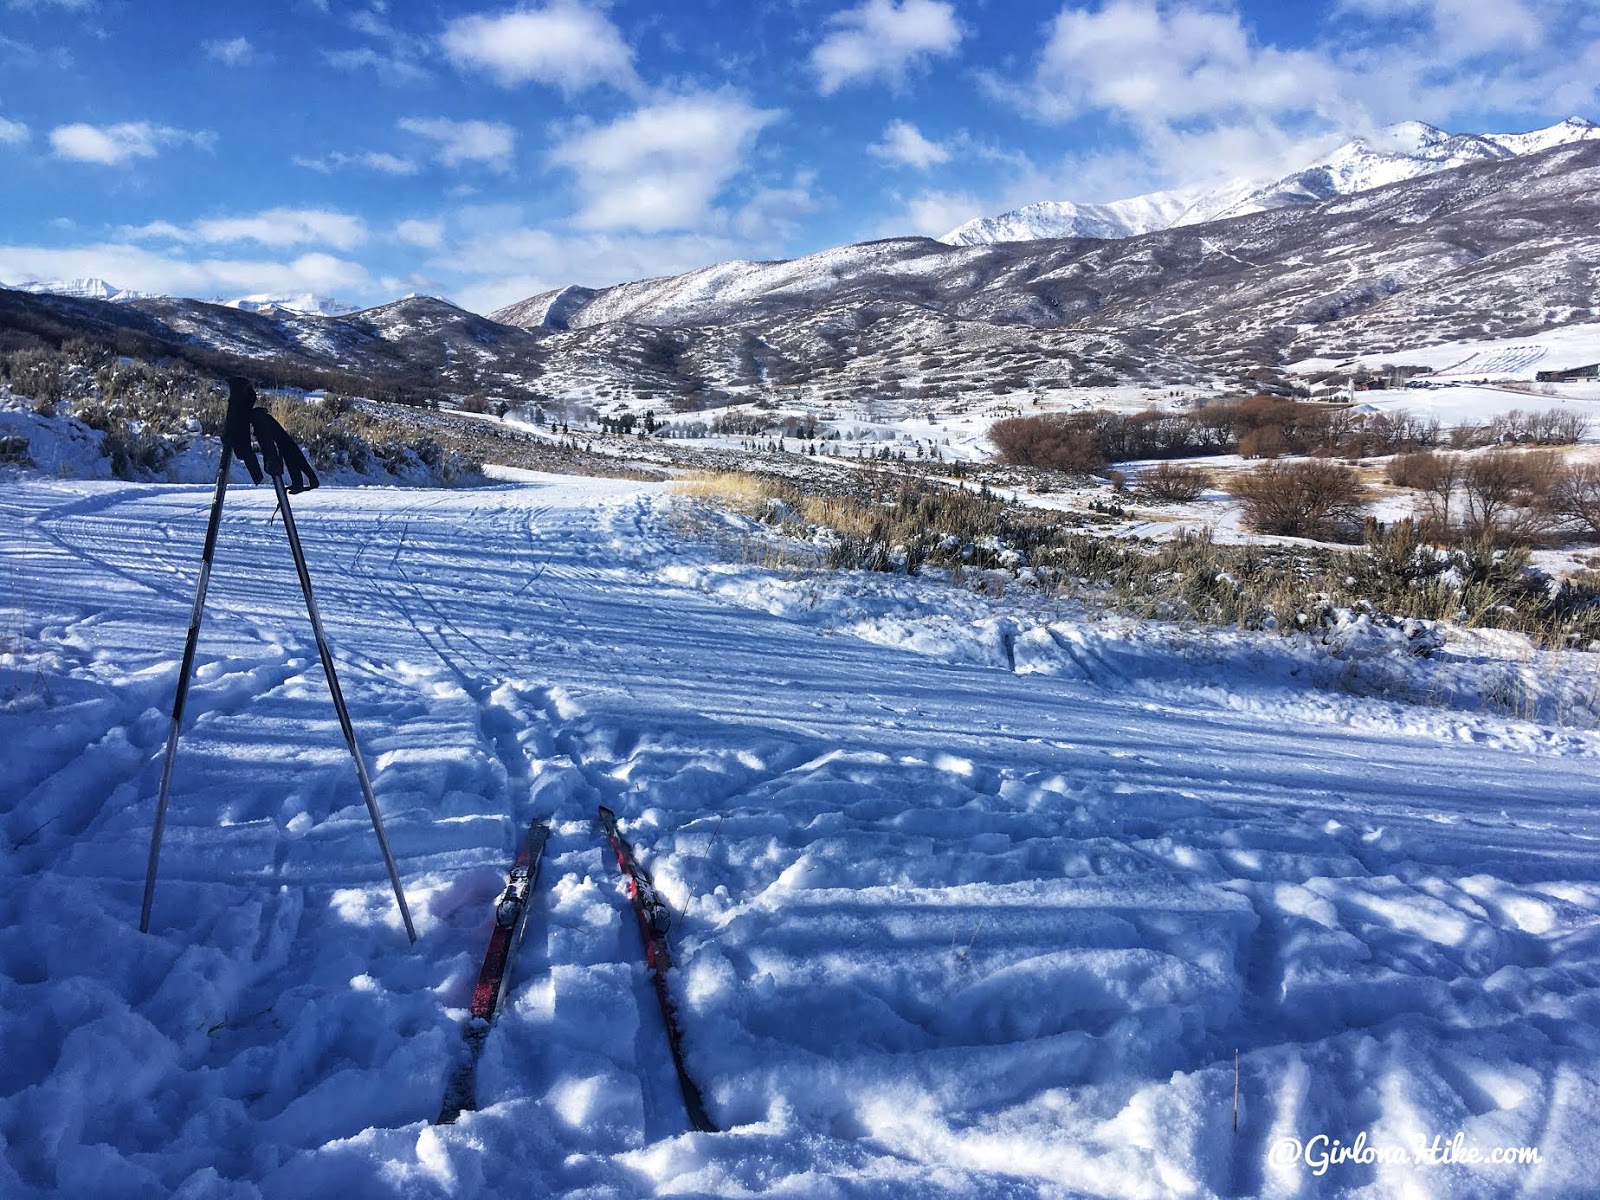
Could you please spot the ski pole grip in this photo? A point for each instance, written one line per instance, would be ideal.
(236, 426)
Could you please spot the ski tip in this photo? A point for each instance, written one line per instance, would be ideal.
(607, 816)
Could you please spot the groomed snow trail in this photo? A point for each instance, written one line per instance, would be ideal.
(966, 910)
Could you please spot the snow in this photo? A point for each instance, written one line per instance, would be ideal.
(1390, 155)
(1519, 359)
(978, 897)
(66, 448)
(86, 289)
(307, 303)
(98, 289)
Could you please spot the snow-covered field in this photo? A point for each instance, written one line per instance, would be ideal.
(977, 898)
(1520, 358)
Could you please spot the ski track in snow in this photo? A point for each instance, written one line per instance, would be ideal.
(966, 907)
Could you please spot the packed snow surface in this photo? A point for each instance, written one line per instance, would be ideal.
(977, 898)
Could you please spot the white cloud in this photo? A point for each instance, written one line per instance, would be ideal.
(13, 133)
(144, 270)
(1466, 28)
(372, 160)
(426, 234)
(397, 58)
(115, 145)
(271, 227)
(1152, 62)
(565, 44)
(883, 39)
(513, 263)
(661, 166)
(773, 213)
(903, 143)
(391, 68)
(233, 52)
(455, 142)
(933, 214)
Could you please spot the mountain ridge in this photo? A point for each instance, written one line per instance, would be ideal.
(1406, 150)
(95, 288)
(1498, 248)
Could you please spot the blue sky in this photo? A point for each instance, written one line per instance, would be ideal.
(485, 153)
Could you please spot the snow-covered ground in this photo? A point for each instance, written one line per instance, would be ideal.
(1557, 349)
(978, 898)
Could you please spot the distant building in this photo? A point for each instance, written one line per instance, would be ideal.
(1592, 371)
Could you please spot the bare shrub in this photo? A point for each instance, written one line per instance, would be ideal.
(14, 451)
(1174, 483)
(1576, 496)
(1050, 442)
(1311, 498)
(1419, 470)
(1549, 427)
(1504, 496)
(1265, 441)
(37, 374)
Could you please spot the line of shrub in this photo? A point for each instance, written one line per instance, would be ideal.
(899, 524)
(1258, 427)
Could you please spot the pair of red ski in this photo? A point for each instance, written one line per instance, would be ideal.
(511, 917)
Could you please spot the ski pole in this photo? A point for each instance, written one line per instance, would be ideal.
(184, 670)
(338, 700)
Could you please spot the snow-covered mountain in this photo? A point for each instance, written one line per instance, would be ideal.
(303, 302)
(1501, 247)
(92, 288)
(95, 288)
(1399, 152)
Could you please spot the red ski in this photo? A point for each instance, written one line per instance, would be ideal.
(654, 920)
(494, 977)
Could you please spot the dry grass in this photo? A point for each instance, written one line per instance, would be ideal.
(901, 525)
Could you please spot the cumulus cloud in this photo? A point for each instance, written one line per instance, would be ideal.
(774, 212)
(415, 232)
(455, 142)
(271, 227)
(903, 144)
(1200, 95)
(883, 40)
(232, 52)
(661, 166)
(567, 45)
(117, 145)
(1151, 62)
(13, 133)
(514, 262)
(1467, 28)
(934, 213)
